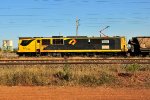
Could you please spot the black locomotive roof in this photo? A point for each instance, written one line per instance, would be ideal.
(142, 37)
(25, 37)
(81, 37)
(77, 37)
(57, 36)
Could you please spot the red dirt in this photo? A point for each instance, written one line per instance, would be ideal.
(72, 93)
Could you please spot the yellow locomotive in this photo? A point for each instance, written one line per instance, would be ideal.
(71, 45)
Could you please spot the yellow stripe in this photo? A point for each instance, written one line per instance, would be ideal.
(81, 51)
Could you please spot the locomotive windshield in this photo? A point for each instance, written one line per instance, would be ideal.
(26, 42)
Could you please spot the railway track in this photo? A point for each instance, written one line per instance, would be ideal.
(73, 61)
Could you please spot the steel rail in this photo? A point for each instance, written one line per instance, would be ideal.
(75, 61)
(72, 63)
(71, 59)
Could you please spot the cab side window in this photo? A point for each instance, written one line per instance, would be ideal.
(45, 41)
(38, 41)
(58, 41)
(26, 42)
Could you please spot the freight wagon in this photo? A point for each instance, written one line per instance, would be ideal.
(139, 46)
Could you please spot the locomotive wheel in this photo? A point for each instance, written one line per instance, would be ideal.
(56, 54)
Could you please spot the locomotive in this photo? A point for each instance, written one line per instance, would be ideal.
(71, 45)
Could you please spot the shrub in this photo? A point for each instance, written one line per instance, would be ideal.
(145, 68)
(88, 80)
(132, 68)
(92, 80)
(65, 74)
(106, 79)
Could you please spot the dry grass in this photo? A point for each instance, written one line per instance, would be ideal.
(8, 55)
(85, 75)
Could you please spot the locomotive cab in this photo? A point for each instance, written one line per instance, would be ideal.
(28, 46)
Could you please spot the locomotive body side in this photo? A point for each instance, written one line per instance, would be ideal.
(72, 45)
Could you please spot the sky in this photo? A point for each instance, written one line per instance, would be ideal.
(46, 18)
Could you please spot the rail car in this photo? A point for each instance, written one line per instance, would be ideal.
(71, 45)
(139, 46)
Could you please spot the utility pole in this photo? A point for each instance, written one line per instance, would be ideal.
(59, 34)
(77, 26)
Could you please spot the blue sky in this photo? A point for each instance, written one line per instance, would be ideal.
(31, 18)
